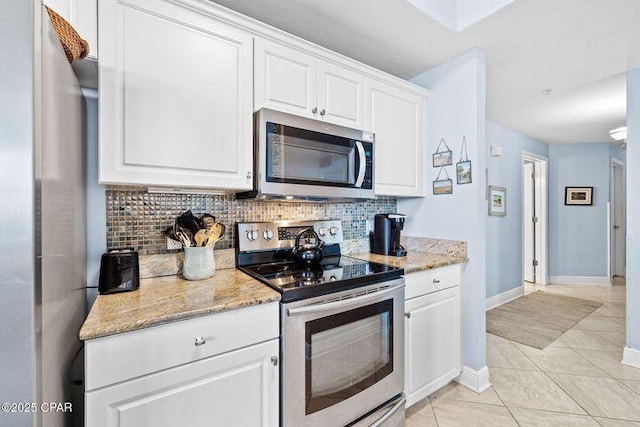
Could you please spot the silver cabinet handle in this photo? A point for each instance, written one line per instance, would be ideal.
(322, 112)
(200, 341)
(436, 281)
(407, 315)
(315, 110)
(274, 360)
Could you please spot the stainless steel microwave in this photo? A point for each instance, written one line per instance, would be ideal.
(306, 159)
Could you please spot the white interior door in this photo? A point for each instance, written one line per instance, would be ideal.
(529, 241)
(618, 232)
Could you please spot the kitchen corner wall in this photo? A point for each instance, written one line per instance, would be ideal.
(136, 218)
(633, 210)
(456, 108)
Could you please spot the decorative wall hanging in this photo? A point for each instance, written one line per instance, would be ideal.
(497, 201)
(578, 196)
(442, 185)
(463, 167)
(443, 155)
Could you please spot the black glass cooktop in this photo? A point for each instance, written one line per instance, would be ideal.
(333, 274)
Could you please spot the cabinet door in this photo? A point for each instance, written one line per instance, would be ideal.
(285, 79)
(340, 95)
(397, 118)
(239, 388)
(432, 343)
(175, 97)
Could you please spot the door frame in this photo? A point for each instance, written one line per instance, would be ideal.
(615, 163)
(542, 168)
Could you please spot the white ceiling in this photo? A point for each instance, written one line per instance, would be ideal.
(580, 48)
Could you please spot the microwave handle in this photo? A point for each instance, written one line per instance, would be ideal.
(363, 164)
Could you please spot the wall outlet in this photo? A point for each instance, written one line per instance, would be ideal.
(173, 245)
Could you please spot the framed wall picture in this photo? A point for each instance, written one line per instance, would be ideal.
(578, 196)
(463, 172)
(443, 155)
(463, 167)
(497, 201)
(442, 186)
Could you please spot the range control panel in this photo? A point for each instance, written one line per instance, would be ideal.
(261, 236)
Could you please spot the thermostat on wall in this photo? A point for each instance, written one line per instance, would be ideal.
(496, 150)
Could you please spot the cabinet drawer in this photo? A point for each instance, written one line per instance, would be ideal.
(129, 355)
(428, 281)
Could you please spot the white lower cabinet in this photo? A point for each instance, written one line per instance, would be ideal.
(239, 388)
(218, 370)
(432, 336)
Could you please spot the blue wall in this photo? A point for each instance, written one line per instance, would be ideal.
(456, 108)
(633, 209)
(578, 241)
(504, 234)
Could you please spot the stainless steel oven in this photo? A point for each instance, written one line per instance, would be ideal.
(342, 356)
(301, 158)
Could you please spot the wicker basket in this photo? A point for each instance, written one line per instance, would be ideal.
(74, 46)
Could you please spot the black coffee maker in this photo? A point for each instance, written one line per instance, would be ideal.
(385, 239)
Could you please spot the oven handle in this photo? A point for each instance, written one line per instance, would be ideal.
(346, 302)
(363, 164)
(380, 421)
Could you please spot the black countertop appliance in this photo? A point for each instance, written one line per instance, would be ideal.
(385, 239)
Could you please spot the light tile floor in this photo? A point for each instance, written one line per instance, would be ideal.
(576, 381)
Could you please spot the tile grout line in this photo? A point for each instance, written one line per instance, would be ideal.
(505, 405)
(433, 411)
(558, 385)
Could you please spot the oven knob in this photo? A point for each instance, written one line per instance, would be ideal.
(333, 231)
(322, 232)
(252, 235)
(267, 234)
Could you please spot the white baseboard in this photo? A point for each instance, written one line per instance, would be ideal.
(631, 357)
(477, 381)
(510, 295)
(580, 280)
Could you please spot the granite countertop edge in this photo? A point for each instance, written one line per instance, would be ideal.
(414, 261)
(111, 330)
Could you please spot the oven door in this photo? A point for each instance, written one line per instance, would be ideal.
(342, 355)
(302, 157)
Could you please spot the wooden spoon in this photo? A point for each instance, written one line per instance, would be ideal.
(215, 233)
(201, 237)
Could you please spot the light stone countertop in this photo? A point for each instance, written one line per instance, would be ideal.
(167, 299)
(414, 261)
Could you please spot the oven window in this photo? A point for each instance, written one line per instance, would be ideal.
(347, 353)
(300, 156)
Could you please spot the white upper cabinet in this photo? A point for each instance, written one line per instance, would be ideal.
(83, 16)
(340, 95)
(397, 118)
(175, 97)
(289, 80)
(285, 79)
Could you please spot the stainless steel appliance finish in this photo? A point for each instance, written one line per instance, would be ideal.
(342, 354)
(262, 236)
(43, 249)
(297, 158)
(342, 328)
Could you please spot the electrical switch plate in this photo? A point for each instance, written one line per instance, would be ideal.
(173, 245)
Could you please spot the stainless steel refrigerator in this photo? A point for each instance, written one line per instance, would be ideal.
(42, 218)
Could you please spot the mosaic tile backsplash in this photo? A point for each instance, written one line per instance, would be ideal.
(136, 218)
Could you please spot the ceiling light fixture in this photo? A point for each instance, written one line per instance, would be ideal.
(619, 134)
(546, 91)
